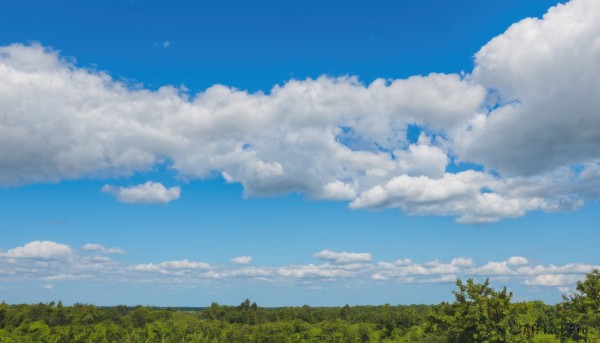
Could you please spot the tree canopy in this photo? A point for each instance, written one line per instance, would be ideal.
(479, 313)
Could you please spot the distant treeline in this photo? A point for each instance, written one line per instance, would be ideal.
(478, 314)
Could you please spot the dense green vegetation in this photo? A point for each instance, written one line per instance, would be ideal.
(478, 314)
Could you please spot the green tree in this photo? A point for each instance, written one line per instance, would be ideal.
(585, 304)
(582, 309)
(479, 314)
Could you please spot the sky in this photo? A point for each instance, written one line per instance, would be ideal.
(179, 153)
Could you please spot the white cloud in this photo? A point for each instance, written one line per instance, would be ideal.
(527, 114)
(51, 261)
(570, 268)
(184, 264)
(106, 128)
(553, 280)
(406, 271)
(343, 257)
(48, 287)
(317, 136)
(39, 249)
(241, 260)
(379, 277)
(403, 261)
(547, 76)
(450, 278)
(453, 194)
(166, 44)
(147, 193)
(516, 260)
(313, 271)
(251, 272)
(148, 267)
(462, 262)
(338, 190)
(493, 269)
(102, 249)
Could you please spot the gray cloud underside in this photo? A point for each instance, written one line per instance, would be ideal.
(528, 113)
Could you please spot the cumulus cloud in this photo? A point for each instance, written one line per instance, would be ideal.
(241, 260)
(553, 280)
(493, 269)
(570, 268)
(147, 193)
(343, 257)
(526, 115)
(39, 250)
(330, 138)
(462, 261)
(51, 261)
(517, 260)
(102, 249)
(546, 76)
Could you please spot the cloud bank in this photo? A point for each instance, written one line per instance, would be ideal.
(52, 262)
(525, 117)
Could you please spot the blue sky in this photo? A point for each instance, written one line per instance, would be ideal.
(351, 152)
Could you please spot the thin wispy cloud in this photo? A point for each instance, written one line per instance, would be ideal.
(343, 257)
(102, 249)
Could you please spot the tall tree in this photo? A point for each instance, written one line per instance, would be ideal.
(582, 309)
(479, 314)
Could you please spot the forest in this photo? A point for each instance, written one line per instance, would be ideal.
(478, 313)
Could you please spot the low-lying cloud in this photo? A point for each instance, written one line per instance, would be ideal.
(51, 261)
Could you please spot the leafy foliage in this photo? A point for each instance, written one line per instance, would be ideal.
(478, 314)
